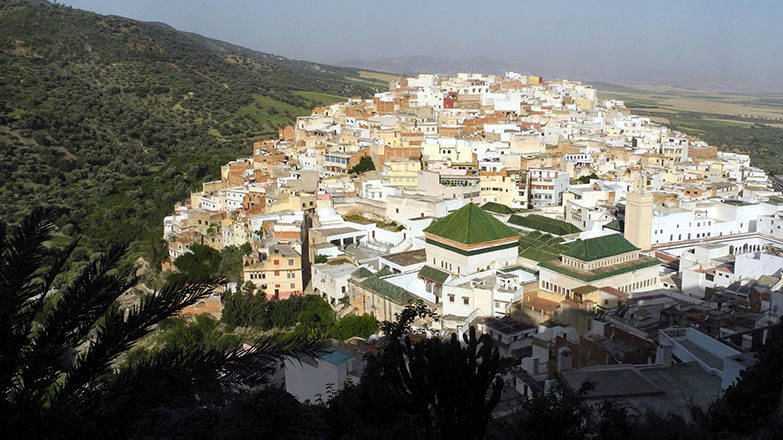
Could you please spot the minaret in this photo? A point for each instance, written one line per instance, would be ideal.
(639, 214)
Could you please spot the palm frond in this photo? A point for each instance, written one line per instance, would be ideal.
(3, 230)
(81, 304)
(86, 299)
(171, 376)
(21, 259)
(117, 332)
(271, 348)
(21, 295)
(60, 257)
(175, 375)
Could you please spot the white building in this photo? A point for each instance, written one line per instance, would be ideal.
(331, 281)
(545, 186)
(313, 379)
(610, 260)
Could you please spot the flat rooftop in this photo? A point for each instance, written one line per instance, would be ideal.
(407, 258)
(327, 245)
(418, 198)
(612, 383)
(283, 250)
(336, 357)
(337, 231)
(711, 245)
(506, 325)
(363, 254)
(664, 388)
(337, 270)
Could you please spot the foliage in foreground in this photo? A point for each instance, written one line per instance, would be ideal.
(379, 408)
(454, 387)
(58, 366)
(61, 378)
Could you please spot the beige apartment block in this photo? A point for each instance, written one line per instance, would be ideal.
(275, 271)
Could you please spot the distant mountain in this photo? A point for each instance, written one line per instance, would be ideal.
(425, 64)
(114, 119)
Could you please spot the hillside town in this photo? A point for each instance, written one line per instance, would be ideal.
(588, 242)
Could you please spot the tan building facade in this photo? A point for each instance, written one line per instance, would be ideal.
(276, 272)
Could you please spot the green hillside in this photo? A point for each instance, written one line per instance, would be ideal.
(114, 120)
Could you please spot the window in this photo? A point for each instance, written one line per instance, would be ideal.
(451, 298)
(465, 300)
(291, 262)
(293, 286)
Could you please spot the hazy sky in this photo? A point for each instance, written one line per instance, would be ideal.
(654, 40)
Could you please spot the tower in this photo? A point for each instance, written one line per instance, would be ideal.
(639, 214)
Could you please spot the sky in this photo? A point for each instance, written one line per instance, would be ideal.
(729, 44)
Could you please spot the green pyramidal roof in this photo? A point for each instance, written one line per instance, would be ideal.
(470, 225)
(497, 207)
(599, 247)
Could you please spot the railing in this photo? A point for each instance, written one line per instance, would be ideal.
(676, 333)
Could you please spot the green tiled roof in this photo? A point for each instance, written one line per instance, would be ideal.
(383, 272)
(601, 273)
(599, 247)
(539, 255)
(470, 225)
(540, 247)
(433, 274)
(387, 290)
(361, 272)
(615, 225)
(498, 208)
(545, 224)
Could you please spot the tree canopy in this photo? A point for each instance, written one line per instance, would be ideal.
(365, 164)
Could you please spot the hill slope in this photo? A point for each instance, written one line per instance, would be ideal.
(114, 119)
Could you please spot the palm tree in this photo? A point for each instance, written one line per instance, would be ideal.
(59, 373)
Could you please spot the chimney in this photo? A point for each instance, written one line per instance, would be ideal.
(663, 354)
(563, 359)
